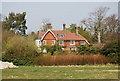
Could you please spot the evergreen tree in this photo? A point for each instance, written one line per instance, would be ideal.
(15, 22)
(82, 31)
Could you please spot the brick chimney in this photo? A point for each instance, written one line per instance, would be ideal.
(64, 26)
(49, 26)
(76, 29)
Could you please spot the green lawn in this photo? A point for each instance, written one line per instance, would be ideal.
(62, 72)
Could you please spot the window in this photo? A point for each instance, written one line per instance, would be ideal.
(82, 42)
(40, 43)
(72, 42)
(44, 42)
(60, 35)
(75, 48)
(61, 42)
(72, 48)
(53, 42)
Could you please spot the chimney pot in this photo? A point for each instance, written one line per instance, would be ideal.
(64, 26)
(76, 28)
(49, 24)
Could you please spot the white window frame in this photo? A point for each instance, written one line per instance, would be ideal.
(44, 42)
(62, 42)
(82, 43)
(71, 42)
(40, 43)
(53, 42)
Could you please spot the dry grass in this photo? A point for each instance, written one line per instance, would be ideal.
(72, 60)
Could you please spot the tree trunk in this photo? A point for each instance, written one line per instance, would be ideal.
(99, 38)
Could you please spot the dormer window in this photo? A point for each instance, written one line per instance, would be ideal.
(60, 35)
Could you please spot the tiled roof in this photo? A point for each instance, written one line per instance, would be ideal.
(67, 35)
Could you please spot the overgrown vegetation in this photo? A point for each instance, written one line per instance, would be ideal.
(72, 60)
(52, 50)
(88, 49)
(21, 50)
(18, 49)
(112, 50)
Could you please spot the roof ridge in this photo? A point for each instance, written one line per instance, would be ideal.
(67, 35)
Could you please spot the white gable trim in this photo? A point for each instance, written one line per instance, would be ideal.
(47, 32)
(87, 41)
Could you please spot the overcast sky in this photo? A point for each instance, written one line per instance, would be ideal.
(57, 12)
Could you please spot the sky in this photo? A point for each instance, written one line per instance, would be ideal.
(57, 12)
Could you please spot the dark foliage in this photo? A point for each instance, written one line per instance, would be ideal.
(15, 22)
(112, 50)
(87, 49)
(18, 60)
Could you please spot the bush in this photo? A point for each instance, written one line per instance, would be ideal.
(112, 50)
(66, 52)
(71, 60)
(52, 49)
(20, 50)
(18, 61)
(87, 49)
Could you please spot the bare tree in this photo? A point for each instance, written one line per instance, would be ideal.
(112, 23)
(44, 25)
(95, 24)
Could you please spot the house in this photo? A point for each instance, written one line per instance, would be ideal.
(64, 38)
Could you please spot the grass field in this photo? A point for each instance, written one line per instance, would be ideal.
(62, 72)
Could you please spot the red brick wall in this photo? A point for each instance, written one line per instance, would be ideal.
(67, 43)
(49, 37)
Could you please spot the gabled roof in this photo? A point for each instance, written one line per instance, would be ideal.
(67, 35)
(43, 35)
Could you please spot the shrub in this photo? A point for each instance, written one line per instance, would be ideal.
(87, 49)
(52, 49)
(21, 46)
(71, 60)
(18, 60)
(66, 52)
(20, 50)
(112, 50)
